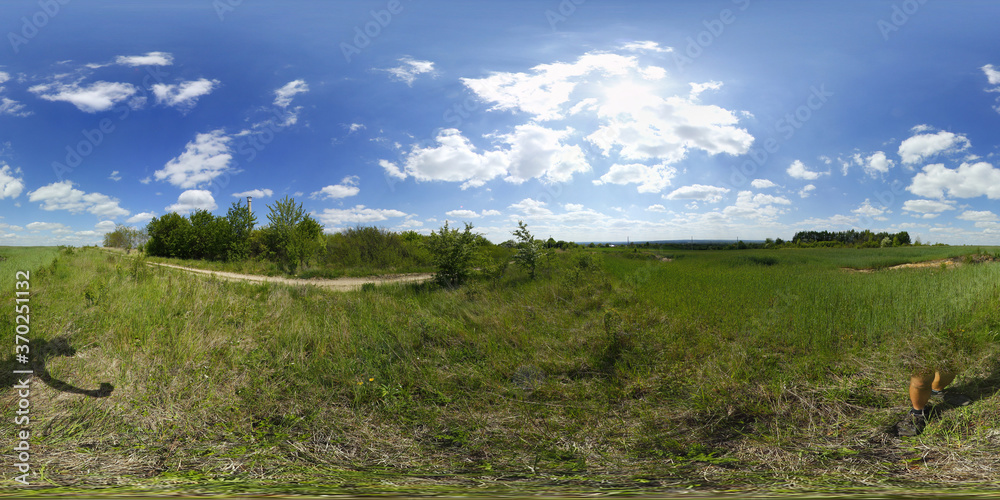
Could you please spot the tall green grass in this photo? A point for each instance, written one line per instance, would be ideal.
(609, 365)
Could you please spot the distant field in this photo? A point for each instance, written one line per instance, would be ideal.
(632, 370)
(13, 259)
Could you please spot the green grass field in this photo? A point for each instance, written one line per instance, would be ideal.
(615, 370)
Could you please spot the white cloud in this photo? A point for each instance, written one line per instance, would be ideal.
(530, 207)
(183, 95)
(105, 226)
(992, 76)
(410, 69)
(98, 96)
(12, 107)
(539, 152)
(204, 159)
(348, 187)
(980, 216)
(283, 96)
(45, 226)
(256, 193)
(876, 163)
(63, 196)
(462, 214)
(869, 211)
(760, 207)
(334, 217)
(656, 208)
(150, 59)
(700, 192)
(651, 179)
(926, 206)
(115, 176)
(11, 182)
(808, 188)
(573, 207)
(799, 170)
(193, 199)
(454, 159)
(141, 217)
(354, 127)
(968, 181)
(646, 46)
(762, 184)
(923, 146)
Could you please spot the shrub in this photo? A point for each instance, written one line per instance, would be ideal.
(529, 251)
(451, 252)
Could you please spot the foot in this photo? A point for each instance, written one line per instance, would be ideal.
(951, 398)
(913, 423)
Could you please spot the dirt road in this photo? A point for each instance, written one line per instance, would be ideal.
(339, 284)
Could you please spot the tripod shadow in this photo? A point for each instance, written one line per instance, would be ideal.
(42, 351)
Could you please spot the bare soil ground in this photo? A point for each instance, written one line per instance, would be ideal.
(340, 284)
(953, 262)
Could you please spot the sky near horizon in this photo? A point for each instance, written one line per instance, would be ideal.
(589, 120)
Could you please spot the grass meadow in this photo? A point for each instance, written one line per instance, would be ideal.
(615, 370)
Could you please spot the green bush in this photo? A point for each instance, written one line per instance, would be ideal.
(452, 253)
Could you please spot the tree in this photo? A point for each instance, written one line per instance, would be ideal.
(170, 236)
(529, 251)
(292, 237)
(123, 237)
(241, 223)
(451, 252)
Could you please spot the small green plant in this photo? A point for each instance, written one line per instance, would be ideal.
(529, 251)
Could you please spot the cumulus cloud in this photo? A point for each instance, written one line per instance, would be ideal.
(761, 207)
(700, 192)
(192, 200)
(656, 208)
(256, 193)
(115, 176)
(799, 170)
(12, 108)
(927, 206)
(63, 196)
(979, 216)
(762, 184)
(348, 187)
(869, 211)
(993, 77)
(205, 158)
(141, 217)
(283, 96)
(539, 152)
(967, 181)
(806, 190)
(636, 119)
(11, 182)
(409, 69)
(183, 95)
(98, 96)
(651, 179)
(47, 226)
(334, 217)
(530, 207)
(923, 146)
(149, 59)
(874, 164)
(453, 159)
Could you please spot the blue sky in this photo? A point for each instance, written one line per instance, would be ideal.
(589, 120)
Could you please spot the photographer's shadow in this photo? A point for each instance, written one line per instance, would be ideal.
(41, 352)
(975, 389)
